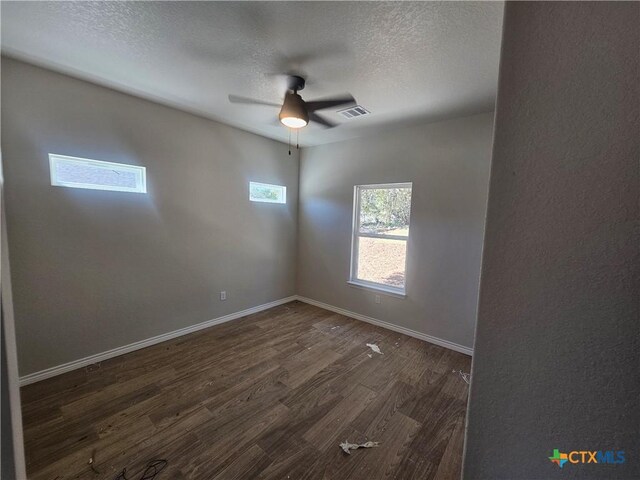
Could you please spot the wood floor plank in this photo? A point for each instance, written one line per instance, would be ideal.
(381, 462)
(335, 464)
(334, 380)
(269, 396)
(304, 365)
(432, 439)
(228, 442)
(374, 418)
(301, 418)
(290, 461)
(247, 465)
(324, 433)
(450, 465)
(175, 443)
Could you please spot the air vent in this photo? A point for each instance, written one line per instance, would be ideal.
(354, 112)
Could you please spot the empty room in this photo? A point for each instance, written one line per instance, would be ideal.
(320, 240)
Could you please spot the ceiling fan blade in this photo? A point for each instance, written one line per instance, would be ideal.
(251, 101)
(330, 103)
(314, 117)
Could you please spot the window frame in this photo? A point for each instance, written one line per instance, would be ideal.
(139, 171)
(355, 241)
(266, 200)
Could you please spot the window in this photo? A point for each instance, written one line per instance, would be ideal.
(97, 175)
(380, 234)
(263, 192)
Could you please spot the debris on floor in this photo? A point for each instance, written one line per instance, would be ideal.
(375, 348)
(93, 367)
(347, 447)
(154, 467)
(92, 461)
(369, 355)
(465, 376)
(337, 326)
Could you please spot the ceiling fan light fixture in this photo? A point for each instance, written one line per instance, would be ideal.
(293, 122)
(294, 112)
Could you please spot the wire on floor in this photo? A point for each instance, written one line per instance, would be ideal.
(154, 467)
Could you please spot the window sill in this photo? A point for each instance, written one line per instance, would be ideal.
(378, 288)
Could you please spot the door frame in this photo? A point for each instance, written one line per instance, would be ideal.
(10, 346)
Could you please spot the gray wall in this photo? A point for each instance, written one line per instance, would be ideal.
(557, 346)
(96, 270)
(448, 163)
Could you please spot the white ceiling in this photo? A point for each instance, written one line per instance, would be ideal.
(404, 61)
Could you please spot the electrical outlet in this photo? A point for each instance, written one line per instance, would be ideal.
(378, 299)
(223, 295)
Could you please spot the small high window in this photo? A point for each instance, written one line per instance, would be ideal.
(96, 175)
(264, 192)
(380, 234)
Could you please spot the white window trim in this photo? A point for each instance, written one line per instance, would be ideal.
(355, 234)
(266, 200)
(378, 287)
(139, 171)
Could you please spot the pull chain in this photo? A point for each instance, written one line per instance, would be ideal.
(297, 137)
(289, 141)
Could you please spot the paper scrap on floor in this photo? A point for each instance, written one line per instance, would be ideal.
(465, 376)
(347, 447)
(375, 348)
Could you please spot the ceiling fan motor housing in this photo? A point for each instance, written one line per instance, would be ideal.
(295, 83)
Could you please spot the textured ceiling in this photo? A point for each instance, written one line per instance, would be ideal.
(404, 61)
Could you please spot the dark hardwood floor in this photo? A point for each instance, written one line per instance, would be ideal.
(269, 396)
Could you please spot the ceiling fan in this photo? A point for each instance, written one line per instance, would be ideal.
(295, 112)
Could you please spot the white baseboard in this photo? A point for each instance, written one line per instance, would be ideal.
(389, 326)
(99, 357)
